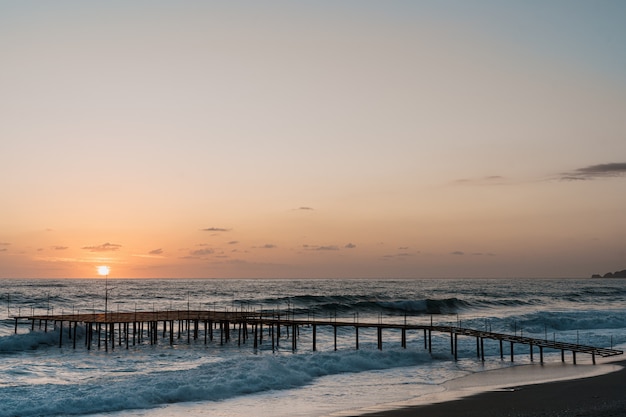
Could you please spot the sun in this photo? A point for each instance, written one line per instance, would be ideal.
(103, 270)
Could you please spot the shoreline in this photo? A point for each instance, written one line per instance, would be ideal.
(599, 391)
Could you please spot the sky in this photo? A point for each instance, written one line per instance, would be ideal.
(285, 139)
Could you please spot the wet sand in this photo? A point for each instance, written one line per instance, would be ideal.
(594, 396)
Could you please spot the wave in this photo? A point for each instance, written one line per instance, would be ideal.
(574, 320)
(36, 339)
(323, 305)
(208, 382)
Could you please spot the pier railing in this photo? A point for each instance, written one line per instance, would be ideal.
(103, 329)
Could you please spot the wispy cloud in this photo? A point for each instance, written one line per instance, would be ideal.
(327, 247)
(105, 247)
(59, 247)
(400, 256)
(268, 246)
(320, 247)
(457, 252)
(233, 242)
(305, 208)
(616, 169)
(488, 180)
(216, 229)
(202, 252)
(350, 246)
(5, 244)
(156, 252)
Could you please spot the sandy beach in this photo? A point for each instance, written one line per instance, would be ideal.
(591, 395)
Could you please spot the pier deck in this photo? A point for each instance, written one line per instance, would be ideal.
(101, 329)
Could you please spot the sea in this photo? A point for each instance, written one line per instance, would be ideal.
(39, 378)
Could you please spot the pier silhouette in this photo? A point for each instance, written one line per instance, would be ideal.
(106, 330)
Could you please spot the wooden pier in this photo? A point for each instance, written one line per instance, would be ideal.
(106, 330)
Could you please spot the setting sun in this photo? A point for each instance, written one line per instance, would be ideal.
(103, 270)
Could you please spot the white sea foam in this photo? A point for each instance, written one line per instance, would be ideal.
(232, 377)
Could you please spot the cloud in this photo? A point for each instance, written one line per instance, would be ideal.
(615, 169)
(215, 229)
(268, 246)
(320, 247)
(3, 249)
(350, 246)
(488, 180)
(105, 247)
(233, 242)
(400, 256)
(328, 247)
(305, 208)
(59, 247)
(201, 252)
(156, 252)
(457, 252)
(4, 244)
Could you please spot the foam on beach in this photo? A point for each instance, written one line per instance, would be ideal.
(503, 379)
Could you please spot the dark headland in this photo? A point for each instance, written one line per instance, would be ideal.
(616, 274)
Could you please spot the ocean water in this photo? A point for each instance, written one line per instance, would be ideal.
(39, 378)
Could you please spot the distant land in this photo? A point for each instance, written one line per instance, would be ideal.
(616, 274)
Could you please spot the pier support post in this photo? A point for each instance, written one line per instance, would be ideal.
(380, 338)
(335, 335)
(314, 337)
(593, 357)
(61, 334)
(574, 356)
(356, 329)
(16, 325)
(501, 351)
(456, 347)
(512, 358)
(562, 355)
(256, 335)
(425, 340)
(541, 355)
(452, 342)
(531, 352)
(482, 349)
(430, 341)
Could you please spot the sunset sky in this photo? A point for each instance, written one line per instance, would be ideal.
(312, 139)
